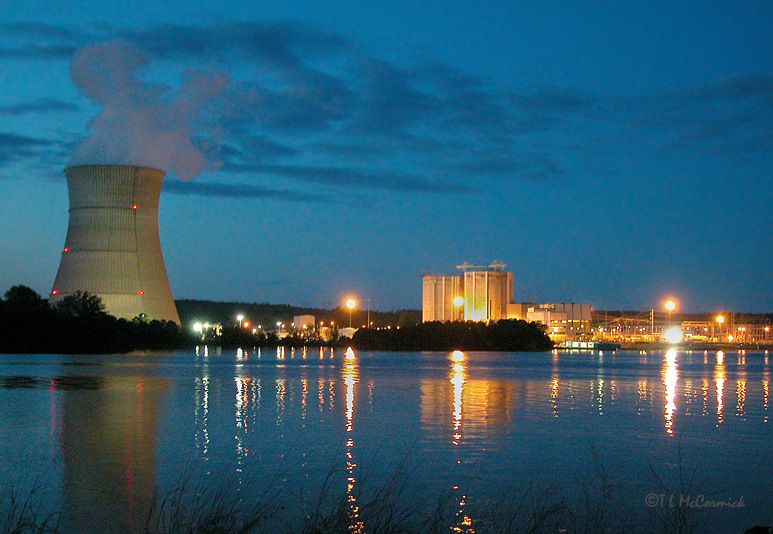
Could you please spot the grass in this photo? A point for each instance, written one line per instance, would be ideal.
(22, 511)
(595, 503)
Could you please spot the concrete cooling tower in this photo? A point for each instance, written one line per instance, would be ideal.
(113, 249)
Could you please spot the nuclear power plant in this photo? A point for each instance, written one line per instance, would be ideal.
(113, 249)
(485, 293)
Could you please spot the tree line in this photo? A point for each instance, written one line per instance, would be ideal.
(510, 335)
(79, 323)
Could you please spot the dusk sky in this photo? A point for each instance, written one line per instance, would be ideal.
(610, 153)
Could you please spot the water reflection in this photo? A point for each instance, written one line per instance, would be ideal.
(458, 378)
(719, 377)
(670, 377)
(466, 406)
(554, 384)
(109, 452)
(351, 377)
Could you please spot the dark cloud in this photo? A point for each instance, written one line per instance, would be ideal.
(285, 44)
(490, 166)
(351, 177)
(390, 101)
(206, 189)
(309, 106)
(730, 119)
(15, 147)
(42, 105)
(21, 142)
(38, 51)
(37, 29)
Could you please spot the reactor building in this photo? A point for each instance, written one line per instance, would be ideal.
(485, 293)
(113, 248)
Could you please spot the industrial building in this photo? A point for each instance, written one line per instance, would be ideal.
(485, 293)
(113, 249)
(439, 298)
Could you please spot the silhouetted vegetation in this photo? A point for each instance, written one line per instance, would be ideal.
(506, 335)
(77, 324)
(591, 501)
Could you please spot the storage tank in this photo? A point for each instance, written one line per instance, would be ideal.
(113, 248)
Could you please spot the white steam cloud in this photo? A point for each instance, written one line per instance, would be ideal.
(141, 123)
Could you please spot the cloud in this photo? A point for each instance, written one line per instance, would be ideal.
(206, 189)
(352, 177)
(141, 123)
(287, 100)
(276, 43)
(42, 105)
(17, 147)
(37, 29)
(34, 51)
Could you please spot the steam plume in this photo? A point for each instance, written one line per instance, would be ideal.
(141, 123)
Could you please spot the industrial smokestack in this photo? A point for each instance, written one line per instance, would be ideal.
(113, 248)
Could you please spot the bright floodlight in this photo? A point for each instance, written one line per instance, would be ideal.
(197, 327)
(351, 303)
(459, 301)
(674, 335)
(720, 319)
(670, 305)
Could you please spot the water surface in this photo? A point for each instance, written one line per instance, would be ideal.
(103, 434)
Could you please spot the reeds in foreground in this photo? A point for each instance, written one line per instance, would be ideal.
(593, 504)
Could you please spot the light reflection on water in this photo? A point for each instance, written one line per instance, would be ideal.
(131, 422)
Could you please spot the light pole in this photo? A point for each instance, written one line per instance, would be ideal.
(240, 318)
(720, 319)
(351, 303)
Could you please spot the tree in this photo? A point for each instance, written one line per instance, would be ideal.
(82, 304)
(24, 298)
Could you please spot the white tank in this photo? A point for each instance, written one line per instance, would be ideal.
(113, 249)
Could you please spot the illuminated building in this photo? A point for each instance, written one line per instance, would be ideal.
(485, 293)
(438, 298)
(481, 294)
(113, 249)
(304, 322)
(564, 320)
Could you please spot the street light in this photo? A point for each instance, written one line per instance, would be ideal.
(240, 318)
(351, 303)
(720, 319)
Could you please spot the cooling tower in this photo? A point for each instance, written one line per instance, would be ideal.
(113, 248)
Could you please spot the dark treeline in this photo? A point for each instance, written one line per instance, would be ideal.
(76, 324)
(506, 335)
(79, 323)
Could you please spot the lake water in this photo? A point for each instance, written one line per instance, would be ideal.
(658, 433)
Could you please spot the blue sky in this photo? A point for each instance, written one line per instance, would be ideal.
(610, 153)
